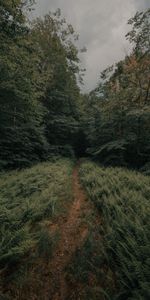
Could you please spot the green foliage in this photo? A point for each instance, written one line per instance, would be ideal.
(29, 201)
(117, 112)
(22, 138)
(139, 35)
(56, 40)
(39, 65)
(88, 269)
(43, 115)
(12, 16)
(122, 199)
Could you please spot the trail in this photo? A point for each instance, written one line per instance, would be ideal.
(73, 233)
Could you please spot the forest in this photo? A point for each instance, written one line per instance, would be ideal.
(73, 160)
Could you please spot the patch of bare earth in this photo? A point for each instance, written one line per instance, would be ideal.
(73, 231)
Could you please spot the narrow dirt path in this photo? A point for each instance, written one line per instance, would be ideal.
(73, 233)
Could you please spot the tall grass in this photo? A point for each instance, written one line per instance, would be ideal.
(29, 201)
(122, 198)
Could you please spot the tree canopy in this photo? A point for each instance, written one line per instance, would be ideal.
(43, 112)
(120, 105)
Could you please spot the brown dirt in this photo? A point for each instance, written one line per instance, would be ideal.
(73, 233)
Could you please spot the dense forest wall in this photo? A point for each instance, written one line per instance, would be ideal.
(38, 86)
(42, 110)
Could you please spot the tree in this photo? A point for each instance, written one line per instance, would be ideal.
(56, 40)
(21, 134)
(120, 131)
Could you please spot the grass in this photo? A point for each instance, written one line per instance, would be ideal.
(114, 261)
(30, 201)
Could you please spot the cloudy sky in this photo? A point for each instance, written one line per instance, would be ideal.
(101, 24)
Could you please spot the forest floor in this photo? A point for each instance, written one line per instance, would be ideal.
(74, 230)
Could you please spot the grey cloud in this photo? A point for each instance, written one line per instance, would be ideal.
(102, 26)
(142, 4)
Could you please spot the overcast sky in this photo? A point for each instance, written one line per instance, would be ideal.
(101, 24)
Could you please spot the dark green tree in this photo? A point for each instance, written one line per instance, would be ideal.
(56, 40)
(21, 134)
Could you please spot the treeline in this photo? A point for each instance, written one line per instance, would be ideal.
(42, 110)
(40, 71)
(117, 112)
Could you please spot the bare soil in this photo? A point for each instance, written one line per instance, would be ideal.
(73, 232)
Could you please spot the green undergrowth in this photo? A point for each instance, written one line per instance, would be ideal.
(30, 201)
(114, 261)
